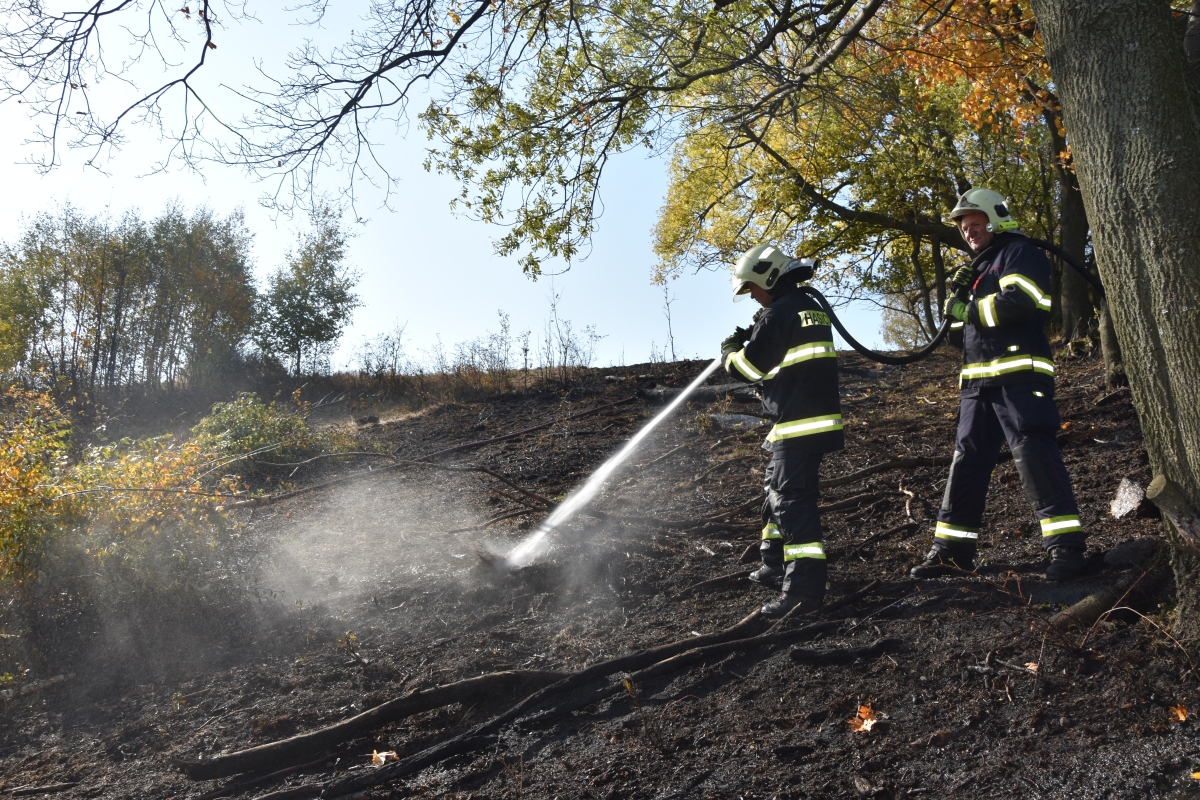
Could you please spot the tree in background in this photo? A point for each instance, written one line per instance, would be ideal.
(309, 301)
(91, 303)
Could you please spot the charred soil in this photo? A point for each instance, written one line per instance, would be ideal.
(389, 586)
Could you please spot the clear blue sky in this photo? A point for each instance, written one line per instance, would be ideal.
(421, 266)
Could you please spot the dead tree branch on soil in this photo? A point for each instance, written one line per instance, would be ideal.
(886, 466)
(844, 655)
(304, 744)
(883, 535)
(646, 664)
(711, 582)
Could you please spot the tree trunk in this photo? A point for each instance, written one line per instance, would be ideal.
(1114, 365)
(939, 271)
(1076, 304)
(923, 285)
(1133, 115)
(1191, 41)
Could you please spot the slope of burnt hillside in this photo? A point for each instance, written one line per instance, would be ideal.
(378, 593)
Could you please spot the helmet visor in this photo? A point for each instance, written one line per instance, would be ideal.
(741, 288)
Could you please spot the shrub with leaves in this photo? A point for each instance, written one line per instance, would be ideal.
(33, 470)
(267, 431)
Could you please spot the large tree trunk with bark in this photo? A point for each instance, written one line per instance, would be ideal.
(1133, 116)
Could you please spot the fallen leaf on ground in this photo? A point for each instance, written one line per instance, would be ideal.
(378, 758)
(1032, 666)
(865, 720)
(1178, 713)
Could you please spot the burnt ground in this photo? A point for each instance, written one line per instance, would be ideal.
(376, 589)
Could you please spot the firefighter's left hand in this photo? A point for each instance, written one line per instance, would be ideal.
(962, 277)
(956, 308)
(734, 341)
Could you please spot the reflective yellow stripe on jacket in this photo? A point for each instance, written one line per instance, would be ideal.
(805, 352)
(1003, 366)
(805, 427)
(743, 365)
(1028, 287)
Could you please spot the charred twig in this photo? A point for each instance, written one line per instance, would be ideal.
(666, 455)
(849, 502)
(318, 458)
(896, 463)
(500, 518)
(844, 655)
(734, 512)
(29, 791)
(841, 602)
(711, 582)
(882, 535)
(700, 478)
(475, 468)
(866, 511)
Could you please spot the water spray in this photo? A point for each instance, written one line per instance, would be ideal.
(524, 553)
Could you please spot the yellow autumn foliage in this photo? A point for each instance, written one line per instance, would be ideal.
(114, 499)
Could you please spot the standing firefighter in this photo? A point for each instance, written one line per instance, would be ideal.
(1007, 386)
(790, 354)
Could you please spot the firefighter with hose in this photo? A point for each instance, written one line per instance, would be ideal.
(1007, 393)
(789, 353)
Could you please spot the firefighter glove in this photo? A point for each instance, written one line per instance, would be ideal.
(956, 308)
(962, 276)
(734, 341)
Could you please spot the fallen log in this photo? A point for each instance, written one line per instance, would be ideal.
(35, 687)
(844, 655)
(1169, 498)
(654, 668)
(304, 744)
(232, 763)
(1085, 613)
(459, 744)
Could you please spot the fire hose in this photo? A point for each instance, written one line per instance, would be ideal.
(944, 330)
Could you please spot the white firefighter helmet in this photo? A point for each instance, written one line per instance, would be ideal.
(985, 201)
(763, 266)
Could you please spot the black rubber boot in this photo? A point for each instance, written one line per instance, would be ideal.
(938, 564)
(786, 602)
(766, 575)
(1066, 563)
